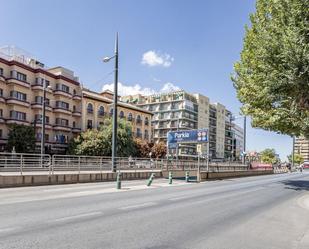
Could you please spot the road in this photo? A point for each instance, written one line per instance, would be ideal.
(245, 213)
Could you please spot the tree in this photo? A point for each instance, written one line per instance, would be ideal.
(268, 156)
(298, 159)
(22, 138)
(272, 76)
(159, 150)
(143, 148)
(99, 142)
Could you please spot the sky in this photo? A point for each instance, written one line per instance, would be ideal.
(163, 45)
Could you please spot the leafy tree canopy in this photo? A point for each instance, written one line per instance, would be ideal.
(298, 159)
(268, 156)
(99, 142)
(272, 76)
(22, 138)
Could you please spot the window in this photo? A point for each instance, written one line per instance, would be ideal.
(63, 88)
(38, 118)
(74, 92)
(138, 119)
(18, 76)
(130, 117)
(146, 121)
(74, 124)
(1, 112)
(1, 71)
(18, 95)
(89, 124)
(1, 133)
(101, 124)
(1, 92)
(62, 122)
(101, 111)
(146, 134)
(138, 132)
(121, 114)
(18, 115)
(40, 82)
(62, 105)
(111, 111)
(90, 108)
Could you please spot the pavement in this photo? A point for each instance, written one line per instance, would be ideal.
(268, 212)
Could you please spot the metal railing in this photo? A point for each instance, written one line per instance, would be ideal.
(17, 162)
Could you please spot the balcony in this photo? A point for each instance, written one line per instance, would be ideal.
(15, 101)
(76, 130)
(39, 124)
(62, 93)
(62, 110)
(12, 81)
(77, 97)
(38, 105)
(59, 127)
(2, 99)
(37, 86)
(2, 120)
(17, 121)
(76, 114)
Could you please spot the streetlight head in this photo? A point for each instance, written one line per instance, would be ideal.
(106, 59)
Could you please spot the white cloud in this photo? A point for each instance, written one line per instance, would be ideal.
(153, 58)
(137, 89)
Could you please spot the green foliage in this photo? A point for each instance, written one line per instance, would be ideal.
(268, 156)
(272, 76)
(298, 159)
(143, 148)
(99, 142)
(159, 150)
(21, 137)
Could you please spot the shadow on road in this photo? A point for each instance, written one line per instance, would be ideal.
(297, 185)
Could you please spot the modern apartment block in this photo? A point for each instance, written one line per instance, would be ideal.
(302, 147)
(238, 141)
(69, 109)
(180, 110)
(97, 106)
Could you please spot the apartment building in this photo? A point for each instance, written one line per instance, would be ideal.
(302, 147)
(21, 96)
(180, 110)
(69, 108)
(97, 106)
(238, 141)
(172, 111)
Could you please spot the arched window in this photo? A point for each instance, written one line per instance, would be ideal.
(146, 134)
(121, 114)
(146, 121)
(101, 111)
(90, 108)
(138, 119)
(111, 111)
(130, 117)
(74, 92)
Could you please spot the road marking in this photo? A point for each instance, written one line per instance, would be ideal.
(146, 204)
(180, 198)
(8, 229)
(74, 217)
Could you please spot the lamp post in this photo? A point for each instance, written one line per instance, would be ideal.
(43, 116)
(115, 113)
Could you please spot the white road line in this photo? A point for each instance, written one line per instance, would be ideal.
(180, 198)
(74, 217)
(8, 229)
(146, 204)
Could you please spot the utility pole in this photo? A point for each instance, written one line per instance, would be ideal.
(43, 118)
(115, 116)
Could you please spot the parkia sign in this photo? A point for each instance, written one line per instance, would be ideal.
(190, 136)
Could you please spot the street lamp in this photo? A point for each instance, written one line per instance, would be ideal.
(43, 116)
(115, 113)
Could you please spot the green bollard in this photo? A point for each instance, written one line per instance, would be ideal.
(170, 178)
(150, 179)
(118, 180)
(187, 176)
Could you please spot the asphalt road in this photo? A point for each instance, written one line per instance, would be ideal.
(246, 213)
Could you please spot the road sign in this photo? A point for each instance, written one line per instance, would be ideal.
(189, 136)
